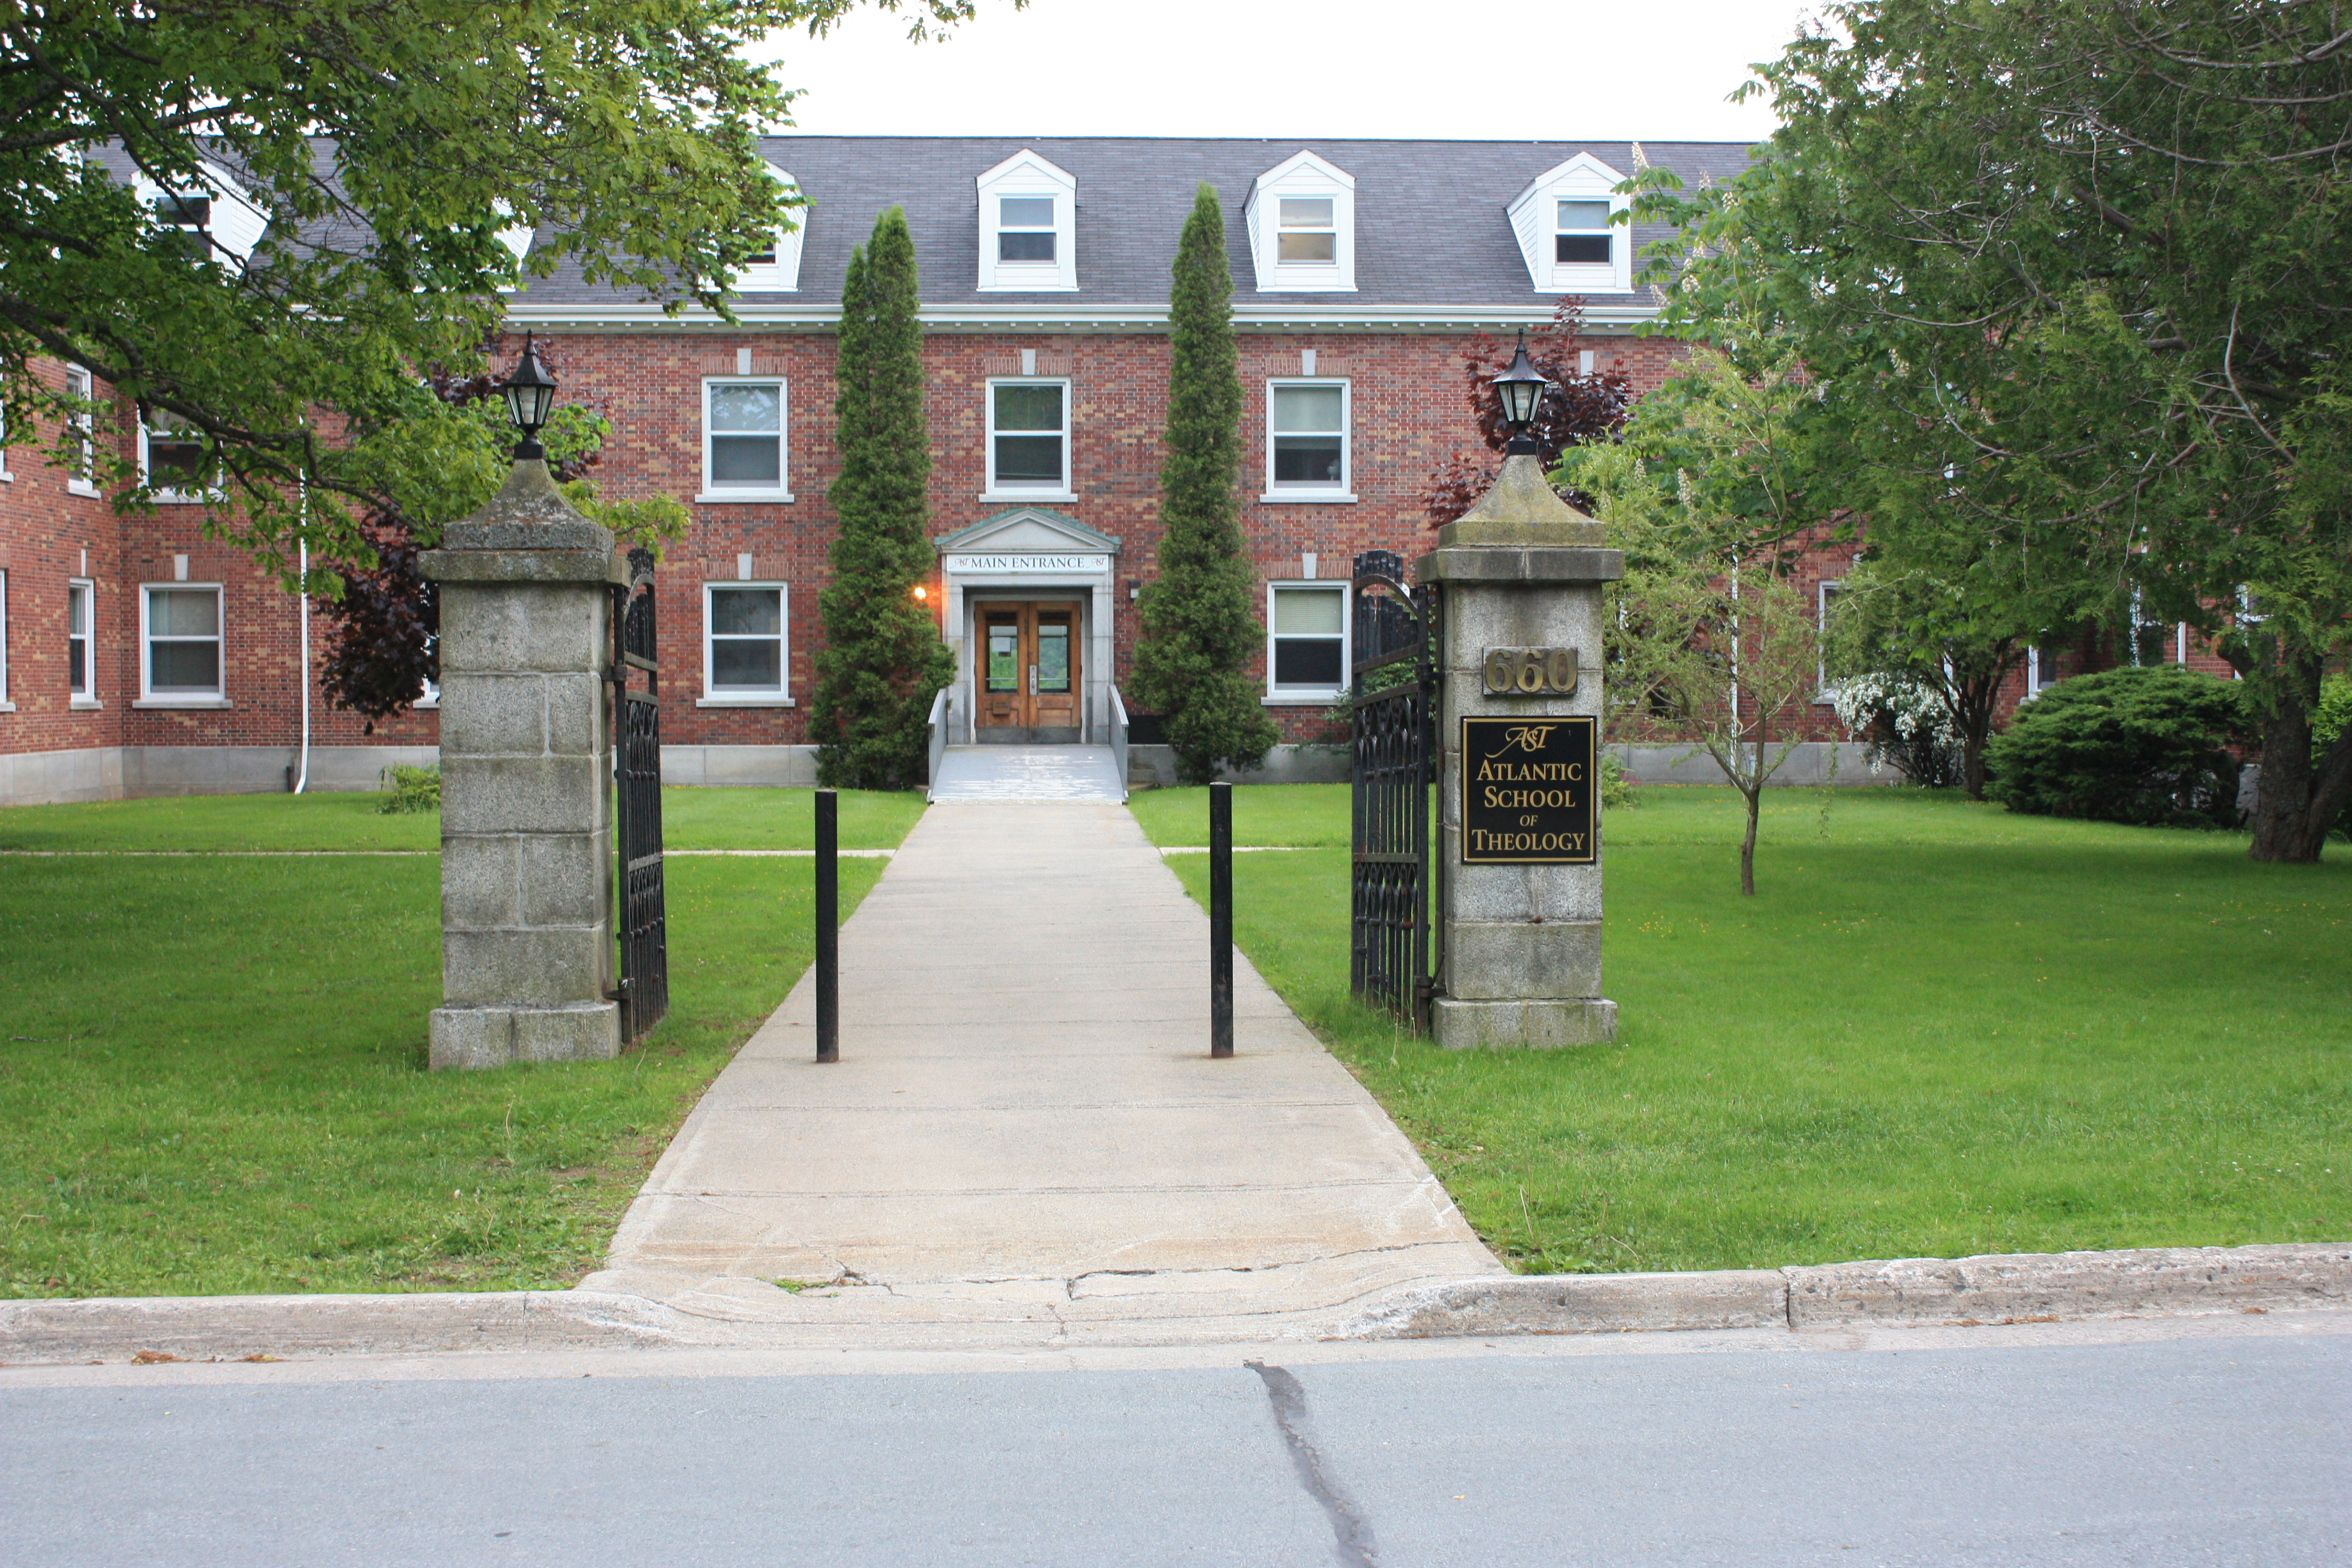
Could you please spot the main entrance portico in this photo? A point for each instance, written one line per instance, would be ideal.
(1028, 602)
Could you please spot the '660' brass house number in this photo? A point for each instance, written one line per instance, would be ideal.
(1530, 672)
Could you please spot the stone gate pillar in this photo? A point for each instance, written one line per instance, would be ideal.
(1519, 840)
(527, 946)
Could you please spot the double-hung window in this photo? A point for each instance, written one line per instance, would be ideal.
(1307, 641)
(1581, 236)
(743, 643)
(1307, 440)
(171, 460)
(1029, 438)
(180, 637)
(2042, 667)
(1827, 611)
(78, 596)
(1309, 232)
(1025, 230)
(743, 441)
(82, 478)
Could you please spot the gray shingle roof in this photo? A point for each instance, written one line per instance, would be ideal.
(1430, 224)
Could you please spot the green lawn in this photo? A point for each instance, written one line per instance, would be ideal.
(213, 1079)
(691, 819)
(1939, 1029)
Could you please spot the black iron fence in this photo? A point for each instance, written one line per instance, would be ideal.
(636, 725)
(1394, 702)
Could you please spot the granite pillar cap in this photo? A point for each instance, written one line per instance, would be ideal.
(1520, 508)
(526, 533)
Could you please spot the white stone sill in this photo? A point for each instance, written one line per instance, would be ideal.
(745, 703)
(1307, 498)
(7, 706)
(1029, 495)
(76, 488)
(726, 498)
(196, 703)
(84, 705)
(1294, 699)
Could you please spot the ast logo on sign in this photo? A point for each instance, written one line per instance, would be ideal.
(1527, 792)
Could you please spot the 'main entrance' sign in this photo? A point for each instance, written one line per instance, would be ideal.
(1527, 792)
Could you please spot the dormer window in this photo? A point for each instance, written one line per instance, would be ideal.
(777, 270)
(1028, 218)
(1584, 236)
(1025, 229)
(1301, 217)
(209, 219)
(1308, 233)
(192, 217)
(1565, 222)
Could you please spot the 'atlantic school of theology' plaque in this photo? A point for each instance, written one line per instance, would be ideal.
(1527, 792)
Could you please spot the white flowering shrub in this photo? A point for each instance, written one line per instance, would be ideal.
(1903, 721)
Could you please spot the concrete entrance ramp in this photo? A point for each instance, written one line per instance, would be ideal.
(1028, 774)
(1025, 1141)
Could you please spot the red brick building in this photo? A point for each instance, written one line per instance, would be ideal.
(141, 659)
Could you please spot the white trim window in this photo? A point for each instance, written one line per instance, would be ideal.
(215, 220)
(745, 645)
(1301, 219)
(2042, 667)
(744, 456)
(1566, 221)
(82, 596)
(1306, 641)
(1307, 431)
(180, 643)
(1826, 595)
(1028, 439)
(81, 478)
(777, 270)
(1028, 227)
(171, 462)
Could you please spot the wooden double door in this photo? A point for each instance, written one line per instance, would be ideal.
(1029, 680)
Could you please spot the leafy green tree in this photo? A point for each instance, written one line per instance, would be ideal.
(380, 152)
(2070, 275)
(882, 660)
(1707, 494)
(1200, 630)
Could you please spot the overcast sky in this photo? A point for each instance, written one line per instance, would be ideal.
(1552, 70)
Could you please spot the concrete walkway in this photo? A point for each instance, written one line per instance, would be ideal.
(1025, 1141)
(1028, 773)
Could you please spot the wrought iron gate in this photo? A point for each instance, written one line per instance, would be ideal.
(1394, 701)
(636, 730)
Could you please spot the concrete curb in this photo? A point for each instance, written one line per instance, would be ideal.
(2011, 1289)
(230, 1327)
(1998, 1289)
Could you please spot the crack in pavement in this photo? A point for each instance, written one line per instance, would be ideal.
(1351, 1534)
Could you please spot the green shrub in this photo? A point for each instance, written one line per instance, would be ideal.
(1616, 784)
(2143, 746)
(410, 789)
(2327, 722)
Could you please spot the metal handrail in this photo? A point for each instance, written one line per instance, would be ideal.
(942, 707)
(1118, 740)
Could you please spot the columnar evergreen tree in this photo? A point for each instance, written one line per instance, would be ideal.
(883, 659)
(1199, 630)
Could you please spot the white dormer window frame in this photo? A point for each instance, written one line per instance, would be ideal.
(1024, 229)
(1289, 200)
(159, 432)
(1545, 228)
(231, 224)
(779, 272)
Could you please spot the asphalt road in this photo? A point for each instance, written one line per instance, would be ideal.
(2228, 1442)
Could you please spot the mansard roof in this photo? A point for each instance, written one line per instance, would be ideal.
(1433, 240)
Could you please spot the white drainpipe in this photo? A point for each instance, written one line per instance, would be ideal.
(302, 775)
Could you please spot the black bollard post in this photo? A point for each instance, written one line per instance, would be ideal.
(828, 926)
(1221, 919)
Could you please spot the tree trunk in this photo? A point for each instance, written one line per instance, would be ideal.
(1747, 845)
(2295, 803)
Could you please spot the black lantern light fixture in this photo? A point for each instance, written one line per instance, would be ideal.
(1521, 388)
(530, 394)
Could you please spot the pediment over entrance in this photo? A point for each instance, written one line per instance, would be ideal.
(1027, 531)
